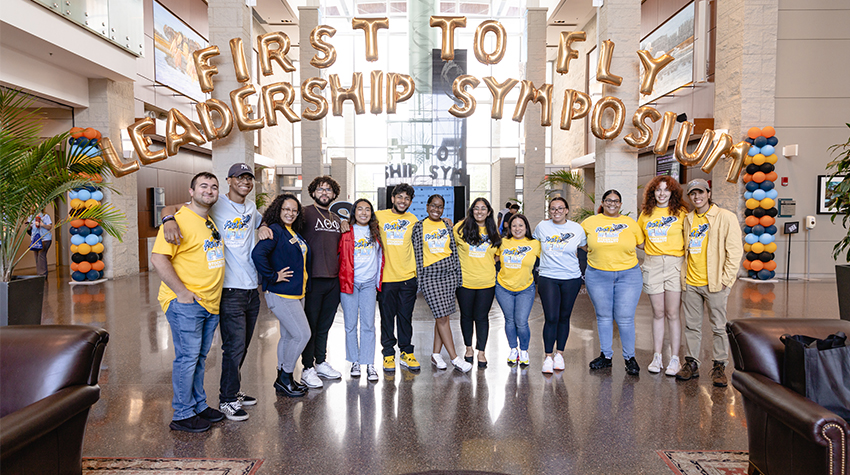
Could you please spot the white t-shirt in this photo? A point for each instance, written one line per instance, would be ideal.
(558, 244)
(41, 231)
(237, 224)
(365, 256)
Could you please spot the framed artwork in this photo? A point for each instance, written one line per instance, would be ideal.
(826, 185)
(174, 43)
(676, 38)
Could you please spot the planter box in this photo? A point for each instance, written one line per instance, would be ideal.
(21, 300)
(842, 280)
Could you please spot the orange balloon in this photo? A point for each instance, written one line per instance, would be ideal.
(751, 221)
(77, 223)
(769, 265)
(98, 265)
(91, 133)
(74, 267)
(90, 223)
(747, 178)
(755, 297)
(758, 177)
(754, 132)
(757, 265)
(76, 132)
(85, 298)
(747, 265)
(99, 136)
(765, 220)
(772, 176)
(770, 296)
(84, 266)
(99, 297)
(768, 132)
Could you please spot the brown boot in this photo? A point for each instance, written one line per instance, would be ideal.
(689, 370)
(718, 374)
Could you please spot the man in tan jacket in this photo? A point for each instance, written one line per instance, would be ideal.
(713, 253)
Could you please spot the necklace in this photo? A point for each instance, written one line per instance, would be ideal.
(706, 212)
(233, 205)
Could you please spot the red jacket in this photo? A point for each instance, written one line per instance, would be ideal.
(346, 262)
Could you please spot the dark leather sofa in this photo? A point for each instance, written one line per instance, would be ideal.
(48, 382)
(788, 433)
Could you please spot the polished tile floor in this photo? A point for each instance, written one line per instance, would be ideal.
(499, 419)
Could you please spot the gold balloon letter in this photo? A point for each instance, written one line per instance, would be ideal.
(737, 154)
(174, 140)
(644, 136)
(569, 111)
(603, 68)
(317, 100)
(565, 50)
(277, 55)
(323, 46)
(499, 92)
(394, 96)
(459, 90)
(243, 74)
(652, 66)
(376, 102)
(721, 148)
(682, 155)
(668, 122)
(142, 144)
(490, 26)
(205, 110)
(542, 96)
(370, 27)
(284, 106)
(619, 109)
(202, 66)
(353, 94)
(241, 110)
(448, 25)
(118, 167)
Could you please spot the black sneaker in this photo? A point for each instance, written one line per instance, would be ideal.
(245, 399)
(211, 415)
(600, 362)
(632, 366)
(191, 424)
(233, 411)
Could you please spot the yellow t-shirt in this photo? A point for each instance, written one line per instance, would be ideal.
(436, 242)
(477, 263)
(198, 260)
(303, 244)
(697, 273)
(611, 242)
(517, 257)
(664, 233)
(399, 263)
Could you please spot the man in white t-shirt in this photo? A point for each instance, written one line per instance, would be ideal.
(41, 226)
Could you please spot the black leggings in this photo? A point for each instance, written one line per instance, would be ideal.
(475, 308)
(557, 297)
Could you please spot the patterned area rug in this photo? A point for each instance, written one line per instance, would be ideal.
(706, 462)
(163, 466)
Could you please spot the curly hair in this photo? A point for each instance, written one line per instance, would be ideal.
(403, 188)
(676, 204)
(469, 231)
(311, 188)
(373, 220)
(272, 214)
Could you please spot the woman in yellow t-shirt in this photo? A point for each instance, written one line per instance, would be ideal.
(662, 222)
(613, 278)
(477, 239)
(518, 254)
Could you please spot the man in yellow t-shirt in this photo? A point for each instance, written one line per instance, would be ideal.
(192, 275)
(398, 290)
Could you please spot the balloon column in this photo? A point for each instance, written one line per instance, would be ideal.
(760, 223)
(86, 234)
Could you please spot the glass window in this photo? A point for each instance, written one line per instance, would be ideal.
(371, 129)
(368, 178)
(478, 130)
(479, 177)
(478, 155)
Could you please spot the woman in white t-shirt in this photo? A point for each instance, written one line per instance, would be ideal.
(560, 278)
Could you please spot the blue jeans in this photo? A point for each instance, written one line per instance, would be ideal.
(615, 296)
(517, 307)
(360, 304)
(192, 330)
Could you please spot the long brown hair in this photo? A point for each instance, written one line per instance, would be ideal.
(676, 204)
(373, 220)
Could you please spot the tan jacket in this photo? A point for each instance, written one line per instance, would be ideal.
(724, 248)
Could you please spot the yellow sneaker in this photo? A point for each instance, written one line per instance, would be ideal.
(409, 361)
(389, 364)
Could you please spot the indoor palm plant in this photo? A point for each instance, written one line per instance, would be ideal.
(35, 172)
(839, 199)
(557, 179)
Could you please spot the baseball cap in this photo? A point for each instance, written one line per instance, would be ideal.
(698, 184)
(239, 169)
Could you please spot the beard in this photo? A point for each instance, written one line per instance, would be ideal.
(323, 200)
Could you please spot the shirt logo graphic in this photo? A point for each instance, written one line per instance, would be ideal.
(696, 238)
(326, 224)
(395, 231)
(215, 253)
(436, 240)
(656, 230)
(362, 248)
(610, 233)
(512, 258)
(480, 250)
(237, 229)
(557, 242)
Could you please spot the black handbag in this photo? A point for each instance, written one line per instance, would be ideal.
(819, 370)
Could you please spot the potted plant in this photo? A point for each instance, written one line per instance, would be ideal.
(559, 178)
(35, 172)
(839, 199)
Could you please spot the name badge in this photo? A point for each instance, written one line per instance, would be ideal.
(293, 240)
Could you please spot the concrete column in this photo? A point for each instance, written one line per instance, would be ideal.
(111, 111)
(534, 165)
(342, 169)
(616, 162)
(504, 181)
(230, 19)
(312, 131)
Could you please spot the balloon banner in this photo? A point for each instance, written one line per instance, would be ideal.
(760, 195)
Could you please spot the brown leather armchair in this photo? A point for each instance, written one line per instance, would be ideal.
(48, 382)
(788, 433)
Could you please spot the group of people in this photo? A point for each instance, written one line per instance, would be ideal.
(307, 261)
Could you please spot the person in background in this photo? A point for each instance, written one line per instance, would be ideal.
(41, 238)
(511, 210)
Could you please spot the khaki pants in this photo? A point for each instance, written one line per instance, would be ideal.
(694, 300)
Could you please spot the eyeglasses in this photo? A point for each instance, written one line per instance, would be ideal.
(289, 211)
(611, 202)
(212, 228)
(480, 208)
(436, 206)
(244, 178)
(324, 190)
(556, 209)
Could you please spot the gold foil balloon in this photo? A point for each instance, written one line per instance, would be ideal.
(142, 144)
(118, 167)
(619, 109)
(644, 136)
(681, 151)
(277, 55)
(542, 96)
(353, 94)
(459, 90)
(320, 109)
(175, 140)
(448, 25)
(569, 111)
(565, 50)
(394, 96)
(241, 110)
(721, 148)
(284, 106)
(370, 27)
(322, 46)
(205, 110)
(205, 70)
(240, 66)
(376, 101)
(499, 92)
(668, 122)
(737, 154)
(603, 68)
(490, 26)
(652, 66)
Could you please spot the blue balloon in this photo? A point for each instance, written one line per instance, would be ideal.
(759, 194)
(83, 231)
(753, 151)
(758, 230)
(751, 238)
(764, 274)
(765, 239)
(748, 229)
(97, 195)
(84, 195)
(92, 275)
(767, 150)
(773, 141)
(100, 276)
(748, 194)
(97, 230)
(99, 238)
(73, 230)
(78, 276)
(91, 240)
(760, 141)
(83, 142)
(766, 185)
(749, 140)
(752, 186)
(72, 195)
(77, 240)
(752, 274)
(771, 229)
(772, 194)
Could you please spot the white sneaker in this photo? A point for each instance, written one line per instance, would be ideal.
(523, 358)
(233, 411)
(548, 365)
(461, 364)
(355, 370)
(310, 379)
(656, 366)
(673, 367)
(559, 362)
(437, 360)
(513, 357)
(325, 370)
(371, 372)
